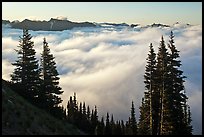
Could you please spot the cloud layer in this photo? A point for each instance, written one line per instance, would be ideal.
(105, 66)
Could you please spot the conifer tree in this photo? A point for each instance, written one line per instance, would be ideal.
(151, 94)
(128, 130)
(165, 101)
(177, 95)
(79, 115)
(112, 125)
(144, 122)
(92, 116)
(118, 129)
(80, 108)
(50, 78)
(88, 113)
(72, 109)
(26, 75)
(122, 127)
(94, 120)
(84, 109)
(133, 122)
(163, 88)
(149, 110)
(107, 127)
(100, 127)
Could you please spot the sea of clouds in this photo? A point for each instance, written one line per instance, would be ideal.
(105, 65)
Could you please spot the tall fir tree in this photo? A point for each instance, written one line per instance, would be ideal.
(88, 113)
(79, 115)
(84, 109)
(100, 127)
(118, 128)
(27, 74)
(162, 84)
(149, 110)
(122, 127)
(165, 100)
(152, 93)
(144, 121)
(107, 126)
(133, 122)
(94, 120)
(72, 109)
(177, 95)
(51, 89)
(112, 125)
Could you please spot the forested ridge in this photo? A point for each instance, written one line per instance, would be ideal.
(163, 111)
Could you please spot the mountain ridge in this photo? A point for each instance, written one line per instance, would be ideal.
(51, 25)
(63, 24)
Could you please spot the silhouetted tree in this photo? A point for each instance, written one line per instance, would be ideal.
(51, 89)
(149, 110)
(112, 125)
(176, 95)
(72, 109)
(100, 127)
(164, 107)
(107, 127)
(118, 129)
(26, 75)
(144, 122)
(88, 113)
(163, 87)
(122, 127)
(84, 109)
(133, 122)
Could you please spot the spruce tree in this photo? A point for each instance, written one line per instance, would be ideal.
(107, 127)
(26, 75)
(122, 127)
(72, 109)
(177, 95)
(79, 115)
(151, 94)
(84, 109)
(80, 109)
(148, 121)
(94, 120)
(144, 122)
(88, 113)
(100, 127)
(128, 130)
(112, 125)
(51, 89)
(133, 122)
(162, 72)
(118, 128)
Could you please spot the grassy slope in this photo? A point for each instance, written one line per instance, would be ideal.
(20, 117)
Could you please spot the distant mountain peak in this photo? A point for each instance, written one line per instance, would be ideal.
(54, 24)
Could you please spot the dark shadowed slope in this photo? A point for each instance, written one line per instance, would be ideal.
(20, 117)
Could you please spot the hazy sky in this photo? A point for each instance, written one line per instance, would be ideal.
(129, 12)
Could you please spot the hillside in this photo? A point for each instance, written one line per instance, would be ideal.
(20, 117)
